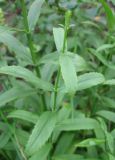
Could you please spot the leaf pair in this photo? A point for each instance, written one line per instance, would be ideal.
(48, 123)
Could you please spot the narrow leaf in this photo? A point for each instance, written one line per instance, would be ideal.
(78, 61)
(77, 124)
(107, 114)
(24, 115)
(4, 138)
(68, 157)
(42, 131)
(15, 93)
(105, 47)
(59, 38)
(109, 102)
(109, 14)
(34, 13)
(90, 142)
(18, 71)
(102, 59)
(88, 80)
(110, 82)
(68, 73)
(72, 157)
(64, 143)
(42, 153)
(16, 46)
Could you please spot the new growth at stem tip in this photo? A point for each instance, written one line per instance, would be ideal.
(68, 15)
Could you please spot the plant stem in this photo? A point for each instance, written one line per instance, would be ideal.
(67, 22)
(56, 87)
(28, 34)
(31, 46)
(72, 105)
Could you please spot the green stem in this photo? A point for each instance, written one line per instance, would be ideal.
(29, 36)
(72, 105)
(31, 46)
(56, 87)
(67, 22)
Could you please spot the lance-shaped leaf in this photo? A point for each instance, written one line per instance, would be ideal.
(58, 37)
(105, 47)
(15, 93)
(69, 157)
(90, 142)
(4, 138)
(15, 45)
(107, 115)
(77, 124)
(27, 75)
(68, 73)
(109, 14)
(42, 131)
(110, 82)
(91, 79)
(102, 59)
(24, 115)
(34, 13)
(42, 153)
(78, 61)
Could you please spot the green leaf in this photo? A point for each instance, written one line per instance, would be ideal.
(59, 38)
(77, 124)
(105, 47)
(6, 29)
(42, 153)
(110, 82)
(4, 138)
(64, 143)
(68, 73)
(107, 114)
(110, 142)
(111, 157)
(102, 59)
(68, 157)
(78, 61)
(88, 80)
(22, 136)
(63, 114)
(72, 157)
(109, 102)
(106, 135)
(18, 71)
(90, 142)
(16, 46)
(24, 115)
(109, 14)
(42, 131)
(51, 58)
(15, 93)
(34, 13)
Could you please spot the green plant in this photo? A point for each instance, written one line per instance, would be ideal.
(57, 102)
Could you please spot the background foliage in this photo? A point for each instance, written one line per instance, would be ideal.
(57, 77)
